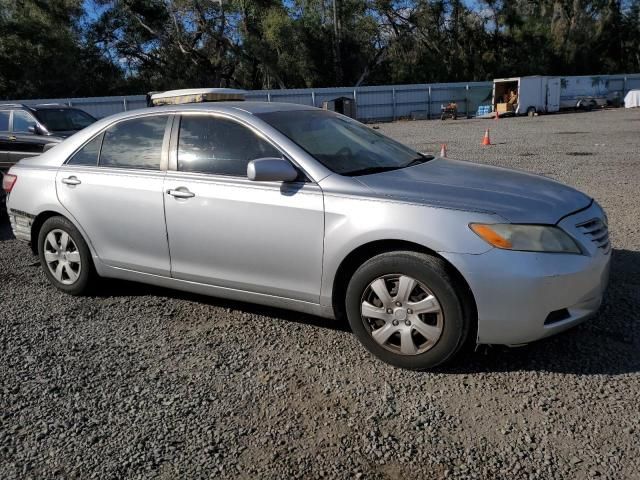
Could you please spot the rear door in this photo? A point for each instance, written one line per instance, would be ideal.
(113, 187)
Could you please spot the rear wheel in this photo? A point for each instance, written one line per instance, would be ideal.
(404, 308)
(531, 111)
(3, 200)
(65, 256)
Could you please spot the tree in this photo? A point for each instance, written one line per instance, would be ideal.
(76, 47)
(42, 53)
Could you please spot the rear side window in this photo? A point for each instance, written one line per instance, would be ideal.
(4, 121)
(134, 143)
(218, 146)
(88, 155)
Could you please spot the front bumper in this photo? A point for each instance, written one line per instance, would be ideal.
(525, 296)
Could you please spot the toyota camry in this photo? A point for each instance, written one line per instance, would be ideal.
(305, 209)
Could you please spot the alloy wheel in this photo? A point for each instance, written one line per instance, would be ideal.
(62, 257)
(401, 314)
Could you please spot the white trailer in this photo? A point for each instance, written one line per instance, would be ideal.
(589, 92)
(536, 94)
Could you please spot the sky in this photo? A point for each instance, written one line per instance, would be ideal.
(92, 10)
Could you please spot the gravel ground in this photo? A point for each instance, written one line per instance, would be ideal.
(142, 382)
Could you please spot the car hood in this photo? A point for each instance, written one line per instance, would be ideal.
(516, 196)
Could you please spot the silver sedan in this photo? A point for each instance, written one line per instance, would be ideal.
(295, 207)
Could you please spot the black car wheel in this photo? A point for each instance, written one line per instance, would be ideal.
(65, 256)
(405, 309)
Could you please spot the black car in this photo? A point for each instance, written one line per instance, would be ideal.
(25, 131)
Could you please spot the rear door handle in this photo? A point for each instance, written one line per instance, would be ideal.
(180, 192)
(71, 180)
(12, 137)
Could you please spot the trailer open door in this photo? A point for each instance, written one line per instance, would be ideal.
(553, 94)
(503, 90)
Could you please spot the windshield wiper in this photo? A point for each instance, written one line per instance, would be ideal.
(419, 160)
(369, 171)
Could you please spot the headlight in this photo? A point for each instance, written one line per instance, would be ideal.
(531, 238)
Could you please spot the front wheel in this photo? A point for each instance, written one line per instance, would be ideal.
(404, 308)
(65, 256)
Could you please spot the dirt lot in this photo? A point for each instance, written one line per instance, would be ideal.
(141, 382)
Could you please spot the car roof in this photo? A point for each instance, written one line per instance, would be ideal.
(239, 109)
(44, 106)
(52, 106)
(248, 107)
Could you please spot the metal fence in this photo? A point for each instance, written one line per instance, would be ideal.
(375, 103)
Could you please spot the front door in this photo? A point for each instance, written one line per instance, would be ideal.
(24, 142)
(227, 231)
(113, 187)
(5, 116)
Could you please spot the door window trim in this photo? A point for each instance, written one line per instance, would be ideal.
(164, 153)
(173, 148)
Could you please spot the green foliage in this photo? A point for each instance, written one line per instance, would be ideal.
(56, 48)
(42, 53)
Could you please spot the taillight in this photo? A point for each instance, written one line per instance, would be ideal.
(8, 181)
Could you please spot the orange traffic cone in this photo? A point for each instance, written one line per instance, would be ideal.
(443, 150)
(486, 140)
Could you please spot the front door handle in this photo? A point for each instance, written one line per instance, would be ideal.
(71, 180)
(180, 192)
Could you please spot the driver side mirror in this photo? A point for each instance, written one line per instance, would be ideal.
(271, 170)
(35, 129)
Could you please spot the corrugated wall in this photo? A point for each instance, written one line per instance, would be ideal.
(375, 103)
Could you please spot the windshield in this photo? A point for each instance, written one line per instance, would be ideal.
(64, 119)
(341, 144)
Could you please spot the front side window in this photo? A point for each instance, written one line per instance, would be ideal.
(343, 145)
(218, 146)
(134, 143)
(87, 155)
(4, 121)
(22, 121)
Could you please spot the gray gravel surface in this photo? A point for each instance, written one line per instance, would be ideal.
(141, 382)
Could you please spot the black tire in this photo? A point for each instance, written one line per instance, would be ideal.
(433, 273)
(531, 111)
(86, 272)
(3, 200)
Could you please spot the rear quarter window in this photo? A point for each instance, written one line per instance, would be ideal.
(87, 155)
